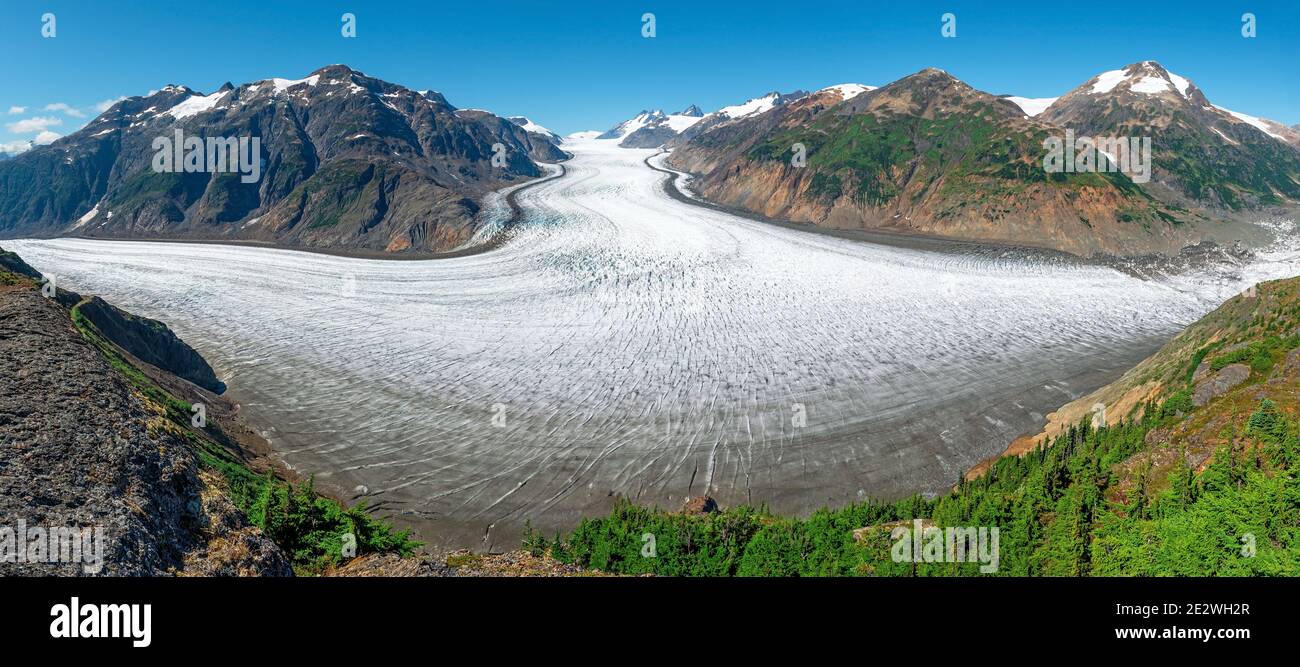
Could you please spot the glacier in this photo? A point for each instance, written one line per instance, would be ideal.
(623, 343)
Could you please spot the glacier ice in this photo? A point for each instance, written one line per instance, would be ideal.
(623, 343)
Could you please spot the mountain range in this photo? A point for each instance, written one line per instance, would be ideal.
(348, 161)
(345, 161)
(649, 129)
(928, 154)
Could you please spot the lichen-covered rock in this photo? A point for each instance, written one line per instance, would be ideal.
(80, 448)
(1219, 384)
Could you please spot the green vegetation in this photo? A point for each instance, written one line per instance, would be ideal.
(967, 155)
(1055, 509)
(1234, 175)
(9, 278)
(350, 192)
(171, 192)
(310, 528)
(1174, 489)
(1258, 354)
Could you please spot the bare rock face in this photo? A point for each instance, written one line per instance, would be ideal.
(152, 342)
(1219, 384)
(79, 448)
(1287, 370)
(12, 263)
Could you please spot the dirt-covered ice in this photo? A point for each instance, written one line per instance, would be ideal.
(623, 343)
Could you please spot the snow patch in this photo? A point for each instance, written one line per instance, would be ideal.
(752, 107)
(1180, 83)
(192, 106)
(1253, 121)
(1150, 85)
(1032, 106)
(1106, 81)
(282, 85)
(90, 215)
(1225, 137)
(847, 90)
(680, 123)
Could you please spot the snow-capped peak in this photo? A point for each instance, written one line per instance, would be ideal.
(750, 107)
(1147, 77)
(847, 90)
(529, 125)
(633, 124)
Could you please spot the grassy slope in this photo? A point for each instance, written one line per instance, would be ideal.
(1170, 489)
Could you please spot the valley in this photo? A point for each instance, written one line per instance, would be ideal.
(621, 343)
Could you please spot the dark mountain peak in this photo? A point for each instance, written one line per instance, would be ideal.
(929, 74)
(928, 93)
(922, 85)
(227, 86)
(336, 70)
(691, 110)
(1150, 67)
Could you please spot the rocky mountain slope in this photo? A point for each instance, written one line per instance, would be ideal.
(81, 447)
(931, 155)
(149, 341)
(94, 436)
(346, 161)
(1201, 155)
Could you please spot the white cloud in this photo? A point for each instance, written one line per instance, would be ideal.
(15, 147)
(17, 110)
(59, 106)
(46, 137)
(34, 124)
(108, 104)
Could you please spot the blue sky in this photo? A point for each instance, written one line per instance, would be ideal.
(584, 65)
